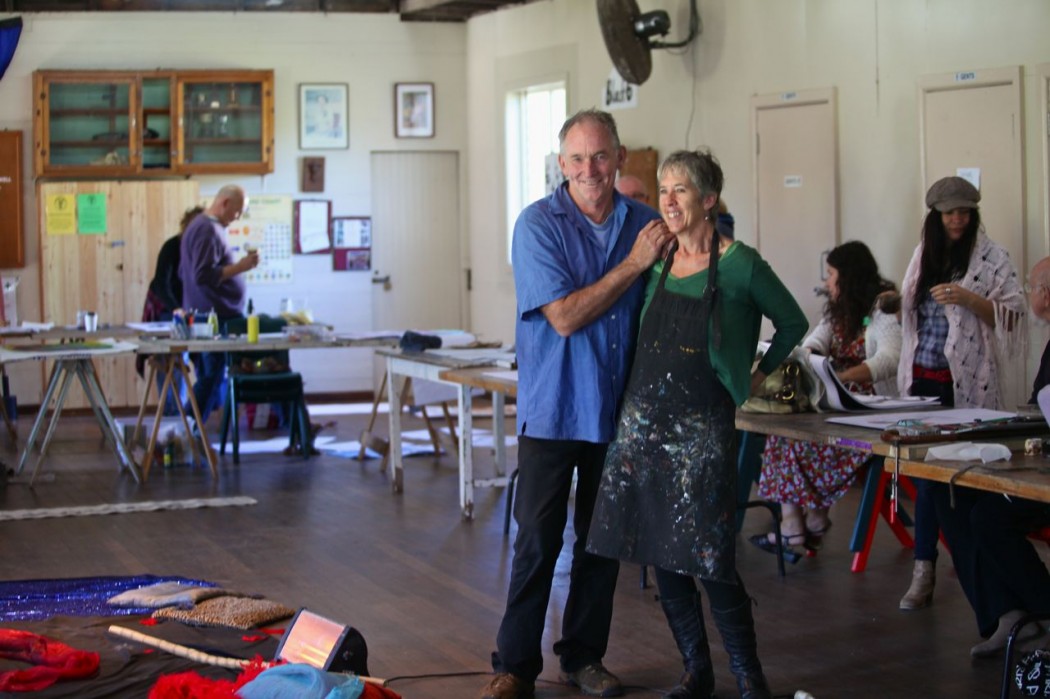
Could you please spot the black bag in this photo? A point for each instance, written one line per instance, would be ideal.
(418, 342)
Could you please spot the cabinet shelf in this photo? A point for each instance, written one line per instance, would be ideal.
(111, 145)
(89, 111)
(219, 141)
(165, 122)
(228, 109)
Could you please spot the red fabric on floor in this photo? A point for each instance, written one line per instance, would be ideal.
(53, 661)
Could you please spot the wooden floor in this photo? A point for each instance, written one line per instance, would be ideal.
(427, 589)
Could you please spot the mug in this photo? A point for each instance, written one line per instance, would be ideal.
(90, 321)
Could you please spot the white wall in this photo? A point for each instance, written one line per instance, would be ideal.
(369, 52)
(872, 51)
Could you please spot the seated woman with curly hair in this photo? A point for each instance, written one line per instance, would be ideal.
(861, 334)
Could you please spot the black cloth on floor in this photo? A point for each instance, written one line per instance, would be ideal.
(128, 669)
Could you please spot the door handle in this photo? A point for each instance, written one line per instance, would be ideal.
(385, 281)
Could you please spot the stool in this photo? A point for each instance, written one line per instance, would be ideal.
(283, 387)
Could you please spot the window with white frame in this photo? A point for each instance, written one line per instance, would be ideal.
(534, 115)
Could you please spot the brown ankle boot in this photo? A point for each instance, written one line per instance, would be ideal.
(920, 593)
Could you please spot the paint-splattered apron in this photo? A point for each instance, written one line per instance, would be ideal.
(668, 492)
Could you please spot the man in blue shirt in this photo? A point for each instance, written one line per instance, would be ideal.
(578, 256)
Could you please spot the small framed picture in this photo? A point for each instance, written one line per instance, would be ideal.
(323, 114)
(414, 110)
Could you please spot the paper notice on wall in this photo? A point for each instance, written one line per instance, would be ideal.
(91, 214)
(971, 175)
(267, 227)
(313, 226)
(60, 214)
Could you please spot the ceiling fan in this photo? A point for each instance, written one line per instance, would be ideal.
(628, 35)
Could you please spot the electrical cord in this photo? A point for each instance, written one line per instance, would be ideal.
(539, 680)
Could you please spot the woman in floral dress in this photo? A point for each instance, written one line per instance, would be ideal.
(861, 334)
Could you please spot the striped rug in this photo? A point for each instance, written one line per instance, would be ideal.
(125, 507)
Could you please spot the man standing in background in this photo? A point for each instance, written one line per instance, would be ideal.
(211, 280)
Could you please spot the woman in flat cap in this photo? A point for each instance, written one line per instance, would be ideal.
(963, 311)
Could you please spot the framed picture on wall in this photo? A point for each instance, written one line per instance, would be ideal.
(414, 110)
(323, 114)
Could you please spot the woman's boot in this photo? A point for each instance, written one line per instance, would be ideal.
(685, 616)
(920, 592)
(737, 627)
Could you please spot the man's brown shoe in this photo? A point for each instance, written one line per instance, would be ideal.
(507, 686)
(594, 681)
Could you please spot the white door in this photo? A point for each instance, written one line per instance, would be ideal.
(971, 126)
(418, 278)
(796, 188)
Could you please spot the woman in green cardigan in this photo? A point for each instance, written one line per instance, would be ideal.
(668, 495)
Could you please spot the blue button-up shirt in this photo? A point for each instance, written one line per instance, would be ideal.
(570, 387)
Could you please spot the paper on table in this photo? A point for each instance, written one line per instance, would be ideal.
(159, 326)
(956, 416)
(968, 451)
(493, 356)
(838, 397)
(28, 325)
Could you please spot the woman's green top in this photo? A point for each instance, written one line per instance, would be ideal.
(748, 289)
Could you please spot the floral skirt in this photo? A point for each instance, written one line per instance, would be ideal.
(807, 474)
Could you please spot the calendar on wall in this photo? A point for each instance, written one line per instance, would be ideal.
(267, 226)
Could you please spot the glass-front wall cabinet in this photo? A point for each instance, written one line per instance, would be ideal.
(222, 121)
(90, 123)
(87, 124)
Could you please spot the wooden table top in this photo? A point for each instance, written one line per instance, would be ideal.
(1022, 476)
(267, 343)
(482, 377)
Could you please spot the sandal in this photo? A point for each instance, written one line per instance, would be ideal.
(768, 545)
(815, 537)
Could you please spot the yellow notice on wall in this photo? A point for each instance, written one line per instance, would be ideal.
(91, 214)
(60, 214)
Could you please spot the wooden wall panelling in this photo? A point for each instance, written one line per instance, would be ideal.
(110, 273)
(158, 220)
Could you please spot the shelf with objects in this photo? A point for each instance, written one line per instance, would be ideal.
(155, 123)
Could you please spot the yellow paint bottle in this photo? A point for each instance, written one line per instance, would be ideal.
(253, 325)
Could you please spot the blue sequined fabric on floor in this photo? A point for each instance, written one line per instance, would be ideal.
(22, 600)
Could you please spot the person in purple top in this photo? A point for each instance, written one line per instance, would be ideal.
(212, 280)
(579, 257)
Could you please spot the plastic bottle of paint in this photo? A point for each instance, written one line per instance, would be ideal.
(253, 324)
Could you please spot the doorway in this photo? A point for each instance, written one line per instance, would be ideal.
(796, 187)
(971, 126)
(418, 280)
